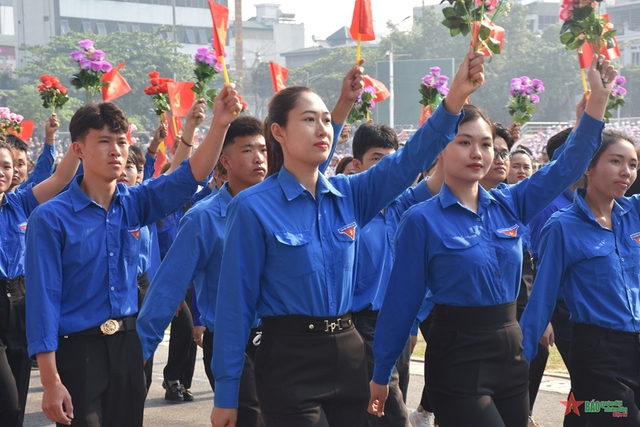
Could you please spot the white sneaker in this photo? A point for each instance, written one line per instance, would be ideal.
(422, 419)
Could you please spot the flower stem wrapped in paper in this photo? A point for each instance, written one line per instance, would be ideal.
(524, 97)
(476, 17)
(207, 66)
(582, 24)
(363, 106)
(92, 66)
(52, 93)
(616, 97)
(433, 90)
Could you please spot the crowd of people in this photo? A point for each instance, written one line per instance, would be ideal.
(305, 280)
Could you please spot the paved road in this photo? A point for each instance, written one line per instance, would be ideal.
(158, 413)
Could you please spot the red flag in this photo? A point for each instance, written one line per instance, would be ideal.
(382, 92)
(180, 97)
(117, 86)
(278, 76)
(174, 126)
(27, 130)
(362, 22)
(220, 16)
(161, 159)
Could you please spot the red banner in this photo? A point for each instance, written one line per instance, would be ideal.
(117, 86)
(220, 17)
(362, 22)
(279, 76)
(181, 98)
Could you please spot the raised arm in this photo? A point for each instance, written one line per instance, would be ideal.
(531, 195)
(225, 110)
(374, 189)
(44, 165)
(152, 150)
(64, 173)
(183, 151)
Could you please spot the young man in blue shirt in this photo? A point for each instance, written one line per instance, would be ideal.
(82, 286)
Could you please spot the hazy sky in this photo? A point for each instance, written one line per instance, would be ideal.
(323, 17)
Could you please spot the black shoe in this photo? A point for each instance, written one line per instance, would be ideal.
(172, 392)
(186, 394)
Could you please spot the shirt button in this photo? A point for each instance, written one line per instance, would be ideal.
(621, 259)
(112, 288)
(110, 253)
(478, 219)
(107, 219)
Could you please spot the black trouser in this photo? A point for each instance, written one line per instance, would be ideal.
(395, 410)
(563, 332)
(311, 377)
(249, 414)
(9, 406)
(104, 377)
(477, 373)
(424, 328)
(605, 366)
(181, 360)
(13, 334)
(143, 287)
(536, 367)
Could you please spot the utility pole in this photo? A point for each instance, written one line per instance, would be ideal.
(237, 26)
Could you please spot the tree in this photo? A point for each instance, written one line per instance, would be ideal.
(142, 52)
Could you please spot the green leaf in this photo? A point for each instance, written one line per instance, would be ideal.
(566, 27)
(493, 45)
(455, 31)
(484, 32)
(464, 30)
(449, 12)
(566, 38)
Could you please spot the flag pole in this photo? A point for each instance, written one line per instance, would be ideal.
(584, 80)
(358, 50)
(224, 70)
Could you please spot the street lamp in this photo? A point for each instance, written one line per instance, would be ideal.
(391, 87)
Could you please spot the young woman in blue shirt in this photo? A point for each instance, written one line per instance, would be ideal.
(463, 250)
(289, 255)
(591, 252)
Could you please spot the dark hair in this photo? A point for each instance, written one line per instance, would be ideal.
(96, 116)
(136, 156)
(556, 141)
(471, 113)
(610, 137)
(505, 134)
(6, 146)
(279, 107)
(242, 126)
(342, 164)
(17, 143)
(370, 135)
(522, 150)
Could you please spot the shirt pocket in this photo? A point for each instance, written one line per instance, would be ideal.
(345, 244)
(508, 247)
(131, 245)
(597, 261)
(292, 254)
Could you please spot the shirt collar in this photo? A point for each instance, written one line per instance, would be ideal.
(620, 206)
(292, 188)
(79, 200)
(447, 198)
(224, 198)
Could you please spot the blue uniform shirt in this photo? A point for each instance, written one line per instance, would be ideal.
(458, 257)
(287, 252)
(82, 260)
(375, 250)
(536, 224)
(597, 268)
(195, 256)
(14, 211)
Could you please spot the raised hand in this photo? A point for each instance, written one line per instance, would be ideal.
(601, 83)
(226, 106)
(468, 79)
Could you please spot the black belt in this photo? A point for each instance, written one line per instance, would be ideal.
(306, 324)
(585, 330)
(475, 316)
(13, 287)
(371, 314)
(109, 327)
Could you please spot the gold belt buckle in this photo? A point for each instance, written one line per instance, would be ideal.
(332, 325)
(110, 327)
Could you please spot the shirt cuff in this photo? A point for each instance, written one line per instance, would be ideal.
(45, 345)
(442, 121)
(382, 375)
(226, 395)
